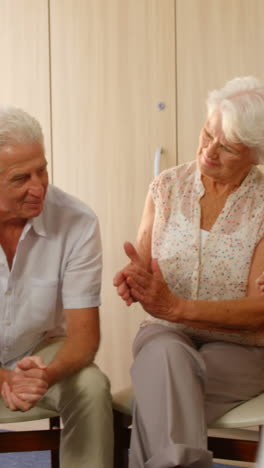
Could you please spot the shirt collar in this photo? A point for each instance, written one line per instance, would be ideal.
(38, 225)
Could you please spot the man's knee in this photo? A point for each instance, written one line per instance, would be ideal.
(91, 382)
(85, 391)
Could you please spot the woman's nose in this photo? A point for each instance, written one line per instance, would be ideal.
(212, 149)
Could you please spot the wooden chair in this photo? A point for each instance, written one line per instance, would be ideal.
(244, 448)
(23, 441)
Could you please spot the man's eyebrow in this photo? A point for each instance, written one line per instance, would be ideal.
(19, 175)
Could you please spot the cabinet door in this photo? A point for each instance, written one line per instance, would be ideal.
(217, 40)
(112, 64)
(24, 52)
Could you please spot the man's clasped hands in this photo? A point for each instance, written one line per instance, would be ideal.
(26, 384)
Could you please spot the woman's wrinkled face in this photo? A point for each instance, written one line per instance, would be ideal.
(219, 159)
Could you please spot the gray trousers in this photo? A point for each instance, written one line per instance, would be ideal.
(180, 388)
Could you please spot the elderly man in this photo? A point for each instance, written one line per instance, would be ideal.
(50, 274)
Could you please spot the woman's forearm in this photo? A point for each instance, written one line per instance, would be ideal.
(243, 314)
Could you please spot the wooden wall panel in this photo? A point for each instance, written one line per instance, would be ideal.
(24, 52)
(112, 62)
(217, 40)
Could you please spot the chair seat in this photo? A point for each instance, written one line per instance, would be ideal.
(123, 401)
(7, 416)
(247, 414)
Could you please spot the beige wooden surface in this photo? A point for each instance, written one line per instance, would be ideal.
(24, 52)
(216, 41)
(112, 62)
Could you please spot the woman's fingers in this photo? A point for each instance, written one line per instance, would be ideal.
(137, 283)
(141, 275)
(118, 278)
(122, 289)
(139, 296)
(132, 253)
(130, 300)
(134, 270)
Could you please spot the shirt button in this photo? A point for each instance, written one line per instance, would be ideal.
(8, 323)
(6, 348)
(8, 292)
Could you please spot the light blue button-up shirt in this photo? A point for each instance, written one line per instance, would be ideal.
(57, 266)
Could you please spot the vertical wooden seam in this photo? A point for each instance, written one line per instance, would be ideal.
(50, 93)
(176, 82)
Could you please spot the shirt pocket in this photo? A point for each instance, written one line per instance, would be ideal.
(42, 301)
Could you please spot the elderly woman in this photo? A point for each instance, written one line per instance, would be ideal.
(200, 249)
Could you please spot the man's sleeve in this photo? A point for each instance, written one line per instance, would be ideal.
(82, 277)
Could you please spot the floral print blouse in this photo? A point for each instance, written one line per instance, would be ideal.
(218, 268)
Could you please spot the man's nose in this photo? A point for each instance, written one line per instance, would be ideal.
(36, 187)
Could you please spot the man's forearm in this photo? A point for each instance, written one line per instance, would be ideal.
(74, 354)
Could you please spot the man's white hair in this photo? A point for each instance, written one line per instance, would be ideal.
(241, 104)
(17, 126)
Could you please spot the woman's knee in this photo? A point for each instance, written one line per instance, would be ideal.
(160, 349)
(166, 352)
(163, 342)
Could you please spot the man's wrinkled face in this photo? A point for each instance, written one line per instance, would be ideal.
(23, 181)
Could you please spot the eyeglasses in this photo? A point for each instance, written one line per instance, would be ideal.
(208, 139)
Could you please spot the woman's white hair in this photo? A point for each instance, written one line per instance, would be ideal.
(241, 103)
(19, 127)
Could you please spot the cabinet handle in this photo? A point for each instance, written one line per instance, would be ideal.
(158, 153)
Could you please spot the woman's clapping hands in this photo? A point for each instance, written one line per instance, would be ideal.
(136, 283)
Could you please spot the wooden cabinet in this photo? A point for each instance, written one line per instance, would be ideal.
(111, 81)
(113, 63)
(217, 40)
(24, 52)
